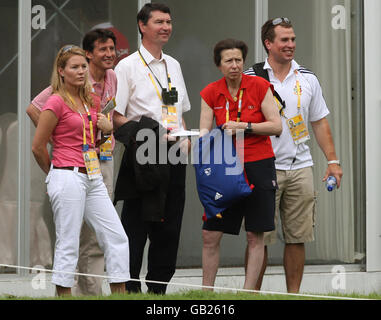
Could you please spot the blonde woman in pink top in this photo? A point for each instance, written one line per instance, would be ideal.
(74, 183)
(99, 45)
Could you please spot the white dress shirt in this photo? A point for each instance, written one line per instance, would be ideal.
(136, 95)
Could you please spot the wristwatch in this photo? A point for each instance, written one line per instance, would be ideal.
(248, 127)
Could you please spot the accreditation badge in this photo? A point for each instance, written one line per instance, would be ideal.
(93, 167)
(298, 129)
(169, 117)
(105, 150)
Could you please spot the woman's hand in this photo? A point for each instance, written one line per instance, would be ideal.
(185, 146)
(233, 126)
(104, 124)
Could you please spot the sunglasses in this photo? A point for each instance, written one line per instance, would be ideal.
(277, 21)
(67, 48)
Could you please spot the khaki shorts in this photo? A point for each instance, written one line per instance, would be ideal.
(295, 204)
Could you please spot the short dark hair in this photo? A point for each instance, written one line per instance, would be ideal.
(268, 32)
(229, 44)
(145, 13)
(97, 34)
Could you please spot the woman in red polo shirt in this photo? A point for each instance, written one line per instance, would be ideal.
(241, 102)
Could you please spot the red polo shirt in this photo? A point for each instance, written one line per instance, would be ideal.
(256, 147)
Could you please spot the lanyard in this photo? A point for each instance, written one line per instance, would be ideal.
(298, 92)
(239, 107)
(152, 80)
(85, 145)
(280, 107)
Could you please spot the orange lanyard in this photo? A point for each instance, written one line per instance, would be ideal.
(239, 107)
(85, 145)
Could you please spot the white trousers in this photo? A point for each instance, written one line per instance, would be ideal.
(91, 259)
(75, 198)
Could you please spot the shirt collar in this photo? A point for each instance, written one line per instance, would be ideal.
(148, 57)
(223, 87)
(97, 88)
(93, 82)
(294, 66)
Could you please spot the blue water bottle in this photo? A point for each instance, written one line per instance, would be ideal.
(331, 183)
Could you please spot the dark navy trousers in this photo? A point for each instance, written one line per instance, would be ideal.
(164, 236)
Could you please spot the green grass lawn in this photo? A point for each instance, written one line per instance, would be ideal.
(198, 295)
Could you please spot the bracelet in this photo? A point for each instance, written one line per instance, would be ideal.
(334, 162)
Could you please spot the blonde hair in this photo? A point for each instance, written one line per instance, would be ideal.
(58, 82)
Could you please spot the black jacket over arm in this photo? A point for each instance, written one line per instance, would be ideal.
(147, 182)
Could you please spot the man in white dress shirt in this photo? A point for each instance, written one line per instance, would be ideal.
(150, 81)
